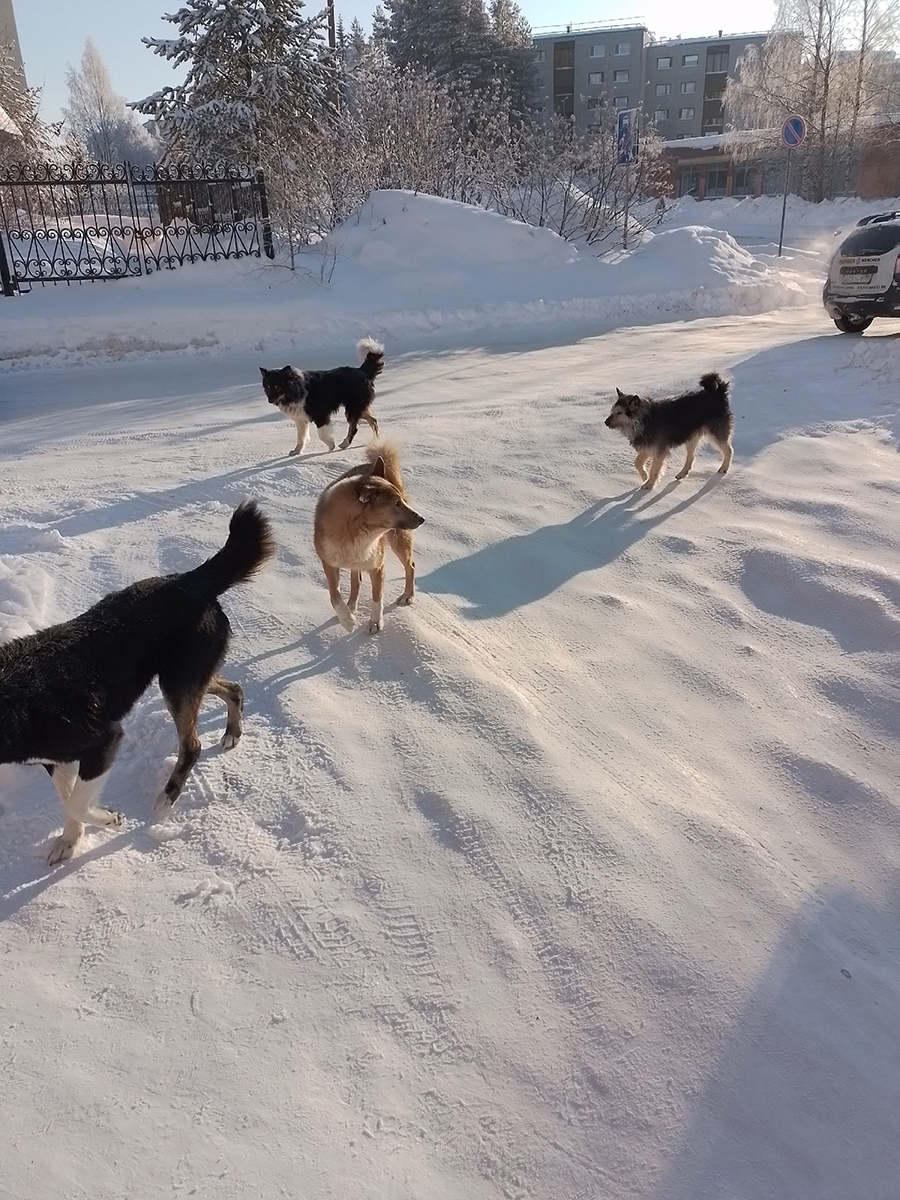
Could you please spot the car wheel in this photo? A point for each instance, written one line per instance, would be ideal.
(849, 324)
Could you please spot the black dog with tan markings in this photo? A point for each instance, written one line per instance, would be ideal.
(65, 690)
(656, 427)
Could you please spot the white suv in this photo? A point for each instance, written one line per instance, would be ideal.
(864, 276)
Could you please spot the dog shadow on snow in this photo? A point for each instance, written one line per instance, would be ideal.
(512, 574)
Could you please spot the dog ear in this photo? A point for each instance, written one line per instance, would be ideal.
(378, 467)
(620, 394)
(263, 372)
(286, 369)
(365, 494)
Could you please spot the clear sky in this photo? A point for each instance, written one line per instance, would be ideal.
(53, 32)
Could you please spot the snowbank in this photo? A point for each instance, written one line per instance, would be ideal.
(403, 266)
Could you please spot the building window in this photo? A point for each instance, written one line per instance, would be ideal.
(540, 56)
(664, 64)
(716, 61)
(690, 60)
(664, 89)
(743, 181)
(621, 101)
(598, 52)
(620, 76)
(595, 77)
(595, 102)
(661, 114)
(689, 184)
(623, 48)
(564, 78)
(716, 182)
(689, 87)
(685, 114)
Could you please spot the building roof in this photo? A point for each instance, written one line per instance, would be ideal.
(8, 125)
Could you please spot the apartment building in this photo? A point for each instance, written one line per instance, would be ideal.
(685, 82)
(678, 83)
(9, 34)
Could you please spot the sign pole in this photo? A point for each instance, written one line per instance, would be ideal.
(627, 204)
(793, 134)
(787, 175)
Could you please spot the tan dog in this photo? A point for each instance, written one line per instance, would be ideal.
(355, 517)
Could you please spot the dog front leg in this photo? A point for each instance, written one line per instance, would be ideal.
(353, 598)
(79, 796)
(302, 424)
(656, 466)
(344, 615)
(640, 464)
(376, 613)
(352, 426)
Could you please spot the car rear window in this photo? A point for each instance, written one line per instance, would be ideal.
(872, 239)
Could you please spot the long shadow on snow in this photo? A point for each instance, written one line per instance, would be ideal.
(802, 1101)
(511, 574)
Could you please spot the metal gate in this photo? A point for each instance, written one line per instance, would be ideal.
(68, 223)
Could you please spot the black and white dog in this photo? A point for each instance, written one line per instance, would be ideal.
(65, 690)
(315, 396)
(656, 427)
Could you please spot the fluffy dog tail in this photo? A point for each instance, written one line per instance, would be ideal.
(713, 382)
(391, 456)
(250, 543)
(371, 356)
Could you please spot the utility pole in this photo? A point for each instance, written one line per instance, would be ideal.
(332, 33)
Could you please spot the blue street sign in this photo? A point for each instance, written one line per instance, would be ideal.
(627, 135)
(793, 132)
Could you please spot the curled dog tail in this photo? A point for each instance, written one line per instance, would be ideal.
(713, 382)
(390, 456)
(250, 543)
(371, 357)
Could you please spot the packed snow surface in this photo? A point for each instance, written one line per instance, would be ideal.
(579, 882)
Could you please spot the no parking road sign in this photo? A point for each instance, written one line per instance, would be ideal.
(793, 132)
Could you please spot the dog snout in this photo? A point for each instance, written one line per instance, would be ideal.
(608, 422)
(413, 520)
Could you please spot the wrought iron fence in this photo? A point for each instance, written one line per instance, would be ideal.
(75, 222)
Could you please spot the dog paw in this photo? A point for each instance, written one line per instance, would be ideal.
(347, 624)
(113, 819)
(162, 803)
(647, 487)
(682, 475)
(406, 599)
(229, 741)
(376, 626)
(60, 852)
(722, 471)
(293, 453)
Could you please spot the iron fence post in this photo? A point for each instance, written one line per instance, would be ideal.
(268, 245)
(6, 280)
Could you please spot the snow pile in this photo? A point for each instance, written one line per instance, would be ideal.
(757, 219)
(403, 267)
(878, 354)
(25, 595)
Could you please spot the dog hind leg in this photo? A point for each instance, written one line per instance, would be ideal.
(233, 695)
(401, 542)
(724, 444)
(690, 450)
(376, 613)
(369, 418)
(352, 427)
(185, 709)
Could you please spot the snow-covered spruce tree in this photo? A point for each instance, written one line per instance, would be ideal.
(514, 66)
(258, 75)
(98, 125)
(451, 40)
